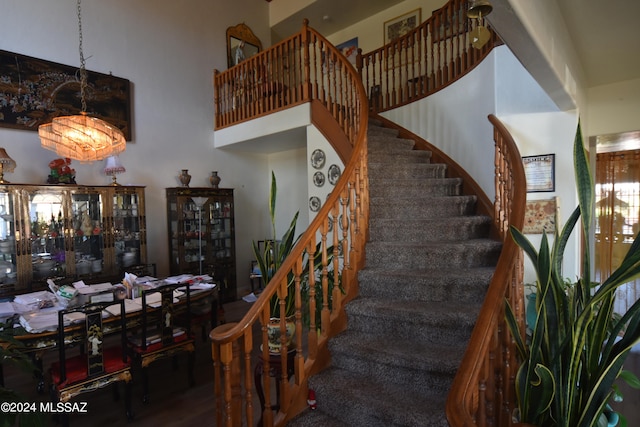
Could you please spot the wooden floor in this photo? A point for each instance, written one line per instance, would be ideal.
(174, 403)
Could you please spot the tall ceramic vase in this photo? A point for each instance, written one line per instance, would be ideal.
(185, 178)
(214, 179)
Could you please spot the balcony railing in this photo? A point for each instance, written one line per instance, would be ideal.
(425, 60)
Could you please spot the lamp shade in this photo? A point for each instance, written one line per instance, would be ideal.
(112, 167)
(8, 164)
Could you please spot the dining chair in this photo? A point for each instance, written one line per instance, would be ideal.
(161, 335)
(99, 360)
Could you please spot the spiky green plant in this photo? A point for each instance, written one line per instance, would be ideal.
(577, 347)
(275, 251)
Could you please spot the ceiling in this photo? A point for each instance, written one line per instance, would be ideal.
(606, 35)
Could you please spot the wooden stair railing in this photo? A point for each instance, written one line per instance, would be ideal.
(339, 109)
(482, 393)
(423, 61)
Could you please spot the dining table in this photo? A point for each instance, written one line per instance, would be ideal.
(35, 325)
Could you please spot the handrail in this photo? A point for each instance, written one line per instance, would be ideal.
(337, 235)
(482, 393)
(425, 60)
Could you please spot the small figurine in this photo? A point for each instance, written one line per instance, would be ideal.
(87, 225)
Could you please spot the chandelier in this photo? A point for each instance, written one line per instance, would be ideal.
(82, 137)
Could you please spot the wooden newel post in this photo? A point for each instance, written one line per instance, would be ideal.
(229, 359)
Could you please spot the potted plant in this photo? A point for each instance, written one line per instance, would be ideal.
(577, 345)
(269, 259)
(12, 351)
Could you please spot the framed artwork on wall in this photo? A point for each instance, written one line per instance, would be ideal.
(401, 25)
(540, 173)
(34, 91)
(349, 49)
(540, 216)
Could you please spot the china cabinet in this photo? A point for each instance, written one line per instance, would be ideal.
(202, 235)
(68, 231)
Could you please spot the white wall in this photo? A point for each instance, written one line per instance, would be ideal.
(168, 51)
(551, 133)
(370, 32)
(455, 120)
(614, 108)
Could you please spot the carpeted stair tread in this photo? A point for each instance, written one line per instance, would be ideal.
(460, 285)
(443, 313)
(440, 254)
(399, 352)
(422, 367)
(400, 156)
(360, 401)
(315, 418)
(432, 229)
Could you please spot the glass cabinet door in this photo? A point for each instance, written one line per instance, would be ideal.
(194, 228)
(219, 216)
(46, 233)
(127, 228)
(87, 228)
(8, 260)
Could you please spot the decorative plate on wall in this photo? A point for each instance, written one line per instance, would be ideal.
(334, 174)
(318, 179)
(314, 204)
(318, 158)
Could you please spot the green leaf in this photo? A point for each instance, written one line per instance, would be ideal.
(630, 378)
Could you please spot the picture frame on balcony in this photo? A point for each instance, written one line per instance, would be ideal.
(401, 25)
(349, 49)
(33, 91)
(540, 173)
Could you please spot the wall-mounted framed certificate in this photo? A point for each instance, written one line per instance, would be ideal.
(540, 173)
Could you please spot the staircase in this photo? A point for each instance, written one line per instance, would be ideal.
(428, 264)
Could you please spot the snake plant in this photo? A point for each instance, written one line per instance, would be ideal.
(275, 251)
(577, 347)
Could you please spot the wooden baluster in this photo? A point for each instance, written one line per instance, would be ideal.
(217, 382)
(248, 383)
(312, 336)
(267, 413)
(336, 294)
(306, 87)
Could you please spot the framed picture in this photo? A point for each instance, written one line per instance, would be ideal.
(540, 216)
(349, 49)
(401, 25)
(34, 91)
(540, 172)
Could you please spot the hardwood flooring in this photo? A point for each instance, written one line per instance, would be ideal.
(174, 404)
